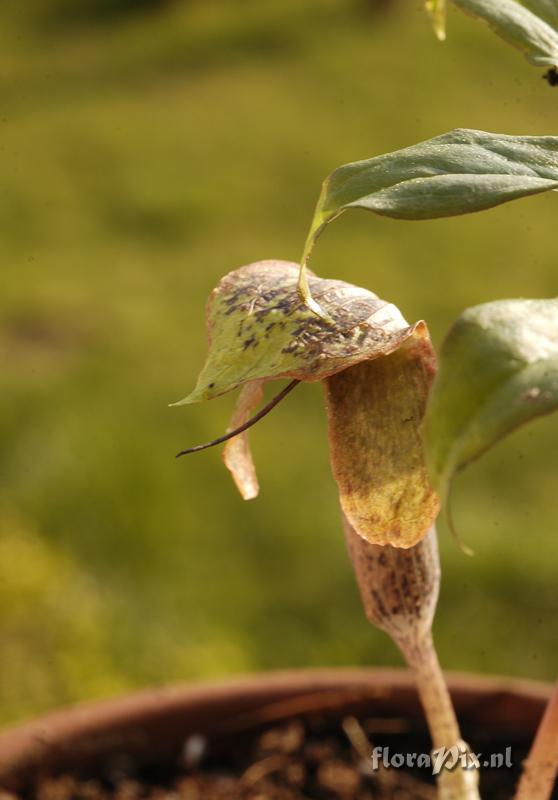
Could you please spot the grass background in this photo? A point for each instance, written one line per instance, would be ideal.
(145, 150)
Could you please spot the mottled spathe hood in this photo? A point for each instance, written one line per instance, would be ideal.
(258, 328)
(376, 370)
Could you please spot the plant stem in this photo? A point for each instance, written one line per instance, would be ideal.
(541, 766)
(434, 694)
(442, 722)
(399, 589)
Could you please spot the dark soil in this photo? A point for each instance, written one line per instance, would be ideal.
(308, 759)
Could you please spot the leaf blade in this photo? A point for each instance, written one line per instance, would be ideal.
(450, 195)
(498, 369)
(487, 169)
(520, 26)
(546, 9)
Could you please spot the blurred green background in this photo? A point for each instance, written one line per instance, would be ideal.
(146, 149)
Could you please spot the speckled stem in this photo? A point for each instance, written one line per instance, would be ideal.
(399, 590)
(541, 767)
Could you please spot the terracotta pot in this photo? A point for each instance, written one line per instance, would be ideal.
(153, 725)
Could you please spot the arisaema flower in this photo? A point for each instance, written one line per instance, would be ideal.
(376, 371)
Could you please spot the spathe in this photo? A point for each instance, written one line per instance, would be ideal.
(377, 371)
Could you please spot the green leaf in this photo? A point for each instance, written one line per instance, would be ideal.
(259, 328)
(457, 173)
(498, 369)
(521, 27)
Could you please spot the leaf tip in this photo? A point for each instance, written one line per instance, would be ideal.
(465, 549)
(436, 10)
(184, 402)
(194, 397)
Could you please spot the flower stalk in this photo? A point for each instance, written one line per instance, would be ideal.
(541, 767)
(399, 590)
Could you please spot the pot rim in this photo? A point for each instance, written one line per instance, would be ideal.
(28, 749)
